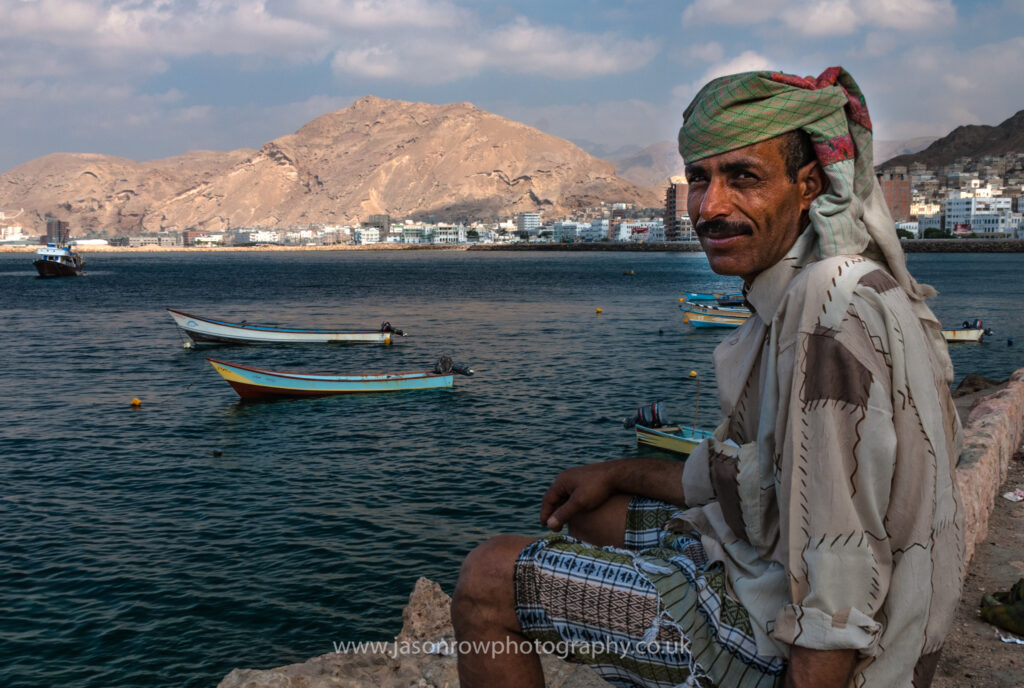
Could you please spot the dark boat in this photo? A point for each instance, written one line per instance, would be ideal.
(58, 261)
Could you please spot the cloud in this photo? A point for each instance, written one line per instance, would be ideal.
(706, 52)
(382, 14)
(960, 87)
(613, 123)
(519, 47)
(822, 18)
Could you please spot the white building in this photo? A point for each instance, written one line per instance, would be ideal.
(975, 209)
(449, 234)
(367, 235)
(911, 227)
(641, 232)
(596, 230)
(565, 231)
(12, 232)
(528, 222)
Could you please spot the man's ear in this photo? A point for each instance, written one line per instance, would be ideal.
(812, 181)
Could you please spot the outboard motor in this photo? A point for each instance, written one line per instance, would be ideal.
(649, 416)
(386, 327)
(445, 366)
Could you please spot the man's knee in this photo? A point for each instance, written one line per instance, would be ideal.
(485, 586)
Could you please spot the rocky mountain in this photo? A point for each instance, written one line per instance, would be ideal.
(651, 166)
(972, 140)
(885, 149)
(375, 156)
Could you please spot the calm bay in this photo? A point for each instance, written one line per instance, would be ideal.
(167, 544)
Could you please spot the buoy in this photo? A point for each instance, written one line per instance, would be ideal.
(693, 373)
(1009, 341)
(598, 310)
(187, 345)
(136, 402)
(681, 299)
(218, 452)
(661, 331)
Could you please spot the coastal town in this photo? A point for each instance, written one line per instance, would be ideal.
(973, 197)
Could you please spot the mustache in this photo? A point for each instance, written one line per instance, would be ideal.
(721, 227)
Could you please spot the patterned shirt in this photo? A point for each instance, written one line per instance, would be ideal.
(828, 491)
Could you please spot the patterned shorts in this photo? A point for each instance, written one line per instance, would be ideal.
(606, 607)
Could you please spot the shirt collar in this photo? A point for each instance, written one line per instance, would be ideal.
(765, 294)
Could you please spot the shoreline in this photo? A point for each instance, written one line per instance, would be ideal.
(909, 246)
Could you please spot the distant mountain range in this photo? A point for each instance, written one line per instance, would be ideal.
(972, 140)
(410, 160)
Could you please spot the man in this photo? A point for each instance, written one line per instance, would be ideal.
(816, 540)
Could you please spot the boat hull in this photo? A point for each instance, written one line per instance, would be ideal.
(53, 268)
(675, 439)
(972, 335)
(705, 320)
(258, 383)
(205, 330)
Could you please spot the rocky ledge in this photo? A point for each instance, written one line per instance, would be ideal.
(993, 429)
(426, 623)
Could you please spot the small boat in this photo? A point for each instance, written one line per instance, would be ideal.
(704, 320)
(199, 329)
(730, 297)
(57, 260)
(713, 316)
(679, 439)
(968, 332)
(258, 383)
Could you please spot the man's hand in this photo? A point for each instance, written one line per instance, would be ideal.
(585, 488)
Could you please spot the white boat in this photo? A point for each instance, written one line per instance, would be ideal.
(199, 329)
(968, 332)
(55, 260)
(971, 335)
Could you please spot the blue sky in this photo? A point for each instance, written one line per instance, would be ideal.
(152, 78)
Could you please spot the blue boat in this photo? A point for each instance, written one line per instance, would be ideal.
(258, 383)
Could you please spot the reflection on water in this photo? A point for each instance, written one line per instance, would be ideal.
(171, 543)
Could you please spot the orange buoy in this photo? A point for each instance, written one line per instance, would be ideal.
(136, 402)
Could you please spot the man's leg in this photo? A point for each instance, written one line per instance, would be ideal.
(483, 607)
(483, 611)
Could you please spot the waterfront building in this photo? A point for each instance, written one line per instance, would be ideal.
(675, 210)
(449, 234)
(528, 222)
(566, 230)
(895, 183)
(367, 235)
(965, 212)
(57, 231)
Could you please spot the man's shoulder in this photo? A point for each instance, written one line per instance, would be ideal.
(824, 289)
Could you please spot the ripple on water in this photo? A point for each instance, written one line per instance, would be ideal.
(136, 556)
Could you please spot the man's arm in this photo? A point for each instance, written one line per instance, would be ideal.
(585, 488)
(819, 668)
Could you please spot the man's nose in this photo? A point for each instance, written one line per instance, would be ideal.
(717, 201)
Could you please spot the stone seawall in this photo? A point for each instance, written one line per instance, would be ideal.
(993, 432)
(994, 429)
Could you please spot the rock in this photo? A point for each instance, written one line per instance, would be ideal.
(427, 618)
(973, 382)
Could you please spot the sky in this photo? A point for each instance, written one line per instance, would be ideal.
(147, 79)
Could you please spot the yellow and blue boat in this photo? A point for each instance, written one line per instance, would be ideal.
(672, 438)
(258, 383)
(713, 316)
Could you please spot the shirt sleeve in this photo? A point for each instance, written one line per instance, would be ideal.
(833, 477)
(697, 488)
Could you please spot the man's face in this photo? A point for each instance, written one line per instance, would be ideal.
(746, 211)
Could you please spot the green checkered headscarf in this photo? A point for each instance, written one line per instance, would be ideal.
(850, 217)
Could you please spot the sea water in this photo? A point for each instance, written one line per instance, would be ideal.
(169, 543)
